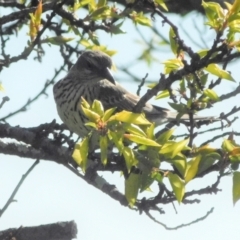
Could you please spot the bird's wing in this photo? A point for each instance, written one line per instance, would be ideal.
(116, 96)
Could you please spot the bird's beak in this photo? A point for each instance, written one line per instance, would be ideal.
(108, 75)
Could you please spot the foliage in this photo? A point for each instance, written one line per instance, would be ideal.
(128, 142)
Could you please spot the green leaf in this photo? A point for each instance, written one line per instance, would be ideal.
(80, 153)
(1, 87)
(178, 186)
(235, 151)
(173, 43)
(75, 30)
(132, 128)
(211, 94)
(234, 158)
(203, 52)
(162, 4)
(85, 43)
(163, 94)
(180, 164)
(207, 161)
(151, 85)
(92, 5)
(131, 188)
(146, 181)
(174, 148)
(32, 27)
(153, 157)
(94, 38)
(172, 64)
(217, 71)
(206, 149)
(91, 124)
(215, 15)
(129, 117)
(97, 107)
(182, 86)
(147, 56)
(234, 166)
(141, 140)
(235, 7)
(117, 140)
(228, 145)
(116, 29)
(108, 113)
(100, 13)
(101, 3)
(228, 5)
(233, 18)
(164, 137)
(215, 8)
(178, 107)
(58, 40)
(150, 131)
(107, 51)
(148, 159)
(236, 187)
(192, 168)
(84, 103)
(80, 4)
(140, 18)
(129, 157)
(104, 148)
(157, 176)
(91, 115)
(235, 155)
(38, 14)
(204, 79)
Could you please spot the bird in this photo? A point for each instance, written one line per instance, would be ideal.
(91, 78)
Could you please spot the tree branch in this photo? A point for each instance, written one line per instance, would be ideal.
(11, 199)
(54, 231)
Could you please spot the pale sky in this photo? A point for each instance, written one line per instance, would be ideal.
(51, 193)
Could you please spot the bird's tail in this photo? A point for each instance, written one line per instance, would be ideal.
(163, 115)
(173, 115)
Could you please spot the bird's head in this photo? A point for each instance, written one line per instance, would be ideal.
(94, 65)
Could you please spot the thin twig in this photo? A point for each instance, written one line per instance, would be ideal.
(30, 101)
(182, 225)
(26, 52)
(4, 99)
(220, 136)
(141, 84)
(11, 198)
(230, 94)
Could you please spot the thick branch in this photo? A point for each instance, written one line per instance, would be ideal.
(39, 146)
(54, 231)
(46, 149)
(24, 13)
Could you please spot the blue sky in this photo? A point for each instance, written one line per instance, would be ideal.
(52, 193)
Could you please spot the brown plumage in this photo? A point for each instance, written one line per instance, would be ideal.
(90, 78)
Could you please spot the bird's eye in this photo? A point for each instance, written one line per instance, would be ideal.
(89, 66)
